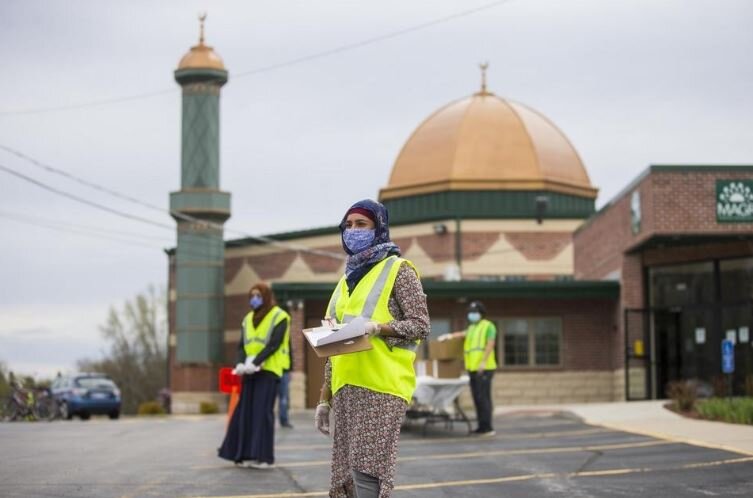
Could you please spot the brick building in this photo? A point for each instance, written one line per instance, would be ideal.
(679, 239)
(490, 201)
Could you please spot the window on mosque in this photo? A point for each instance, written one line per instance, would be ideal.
(529, 342)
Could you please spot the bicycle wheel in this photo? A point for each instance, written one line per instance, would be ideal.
(46, 408)
(10, 410)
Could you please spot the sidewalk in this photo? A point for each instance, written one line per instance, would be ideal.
(650, 418)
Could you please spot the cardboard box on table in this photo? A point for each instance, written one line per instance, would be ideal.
(440, 369)
(340, 338)
(451, 349)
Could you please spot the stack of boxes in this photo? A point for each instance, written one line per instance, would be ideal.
(445, 360)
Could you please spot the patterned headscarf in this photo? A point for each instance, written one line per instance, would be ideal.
(360, 263)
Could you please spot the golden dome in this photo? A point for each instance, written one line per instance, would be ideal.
(201, 56)
(484, 142)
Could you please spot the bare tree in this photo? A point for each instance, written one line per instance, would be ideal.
(137, 359)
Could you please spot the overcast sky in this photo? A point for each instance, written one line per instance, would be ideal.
(630, 82)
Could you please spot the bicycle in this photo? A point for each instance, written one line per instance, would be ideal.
(29, 404)
(19, 405)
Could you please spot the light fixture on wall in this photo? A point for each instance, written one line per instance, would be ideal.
(541, 203)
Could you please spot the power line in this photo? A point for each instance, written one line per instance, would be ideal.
(25, 218)
(370, 41)
(81, 199)
(263, 69)
(125, 197)
(78, 232)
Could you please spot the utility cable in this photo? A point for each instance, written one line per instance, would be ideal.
(25, 218)
(175, 214)
(297, 60)
(78, 232)
(82, 200)
(370, 41)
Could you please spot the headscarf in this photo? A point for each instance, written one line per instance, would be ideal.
(360, 263)
(268, 301)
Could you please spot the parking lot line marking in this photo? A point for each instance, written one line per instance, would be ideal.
(517, 478)
(717, 462)
(481, 454)
(460, 439)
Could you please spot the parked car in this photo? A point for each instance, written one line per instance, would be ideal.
(86, 394)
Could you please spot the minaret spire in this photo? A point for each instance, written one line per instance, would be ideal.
(202, 18)
(484, 66)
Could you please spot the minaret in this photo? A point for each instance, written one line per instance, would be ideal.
(200, 208)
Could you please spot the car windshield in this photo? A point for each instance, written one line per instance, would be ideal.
(95, 383)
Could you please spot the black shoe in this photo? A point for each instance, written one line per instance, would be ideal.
(287, 426)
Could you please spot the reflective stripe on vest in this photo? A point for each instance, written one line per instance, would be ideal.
(381, 369)
(475, 345)
(256, 338)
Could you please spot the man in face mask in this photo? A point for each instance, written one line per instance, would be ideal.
(480, 362)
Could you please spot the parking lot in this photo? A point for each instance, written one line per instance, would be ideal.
(531, 455)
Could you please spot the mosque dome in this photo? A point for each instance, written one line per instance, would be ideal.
(484, 142)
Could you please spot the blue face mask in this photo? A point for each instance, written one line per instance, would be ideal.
(256, 302)
(474, 316)
(358, 239)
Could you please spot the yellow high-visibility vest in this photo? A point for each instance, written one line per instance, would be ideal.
(475, 345)
(381, 369)
(255, 338)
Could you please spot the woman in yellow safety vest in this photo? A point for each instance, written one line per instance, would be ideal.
(369, 391)
(262, 356)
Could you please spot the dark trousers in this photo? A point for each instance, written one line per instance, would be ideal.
(481, 388)
(284, 397)
(251, 431)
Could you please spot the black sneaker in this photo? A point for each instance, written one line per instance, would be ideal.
(489, 433)
(287, 426)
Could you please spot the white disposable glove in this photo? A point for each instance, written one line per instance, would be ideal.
(372, 329)
(321, 418)
(239, 369)
(444, 337)
(249, 367)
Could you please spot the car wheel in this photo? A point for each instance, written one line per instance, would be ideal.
(84, 416)
(65, 412)
(114, 414)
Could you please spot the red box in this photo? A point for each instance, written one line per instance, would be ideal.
(229, 382)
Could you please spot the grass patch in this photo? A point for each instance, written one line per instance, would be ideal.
(208, 408)
(734, 410)
(149, 408)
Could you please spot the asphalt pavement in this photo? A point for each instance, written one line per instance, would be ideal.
(538, 451)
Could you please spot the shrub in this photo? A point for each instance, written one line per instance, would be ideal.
(151, 408)
(749, 385)
(735, 410)
(683, 394)
(208, 408)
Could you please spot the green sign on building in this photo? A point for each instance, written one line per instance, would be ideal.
(734, 200)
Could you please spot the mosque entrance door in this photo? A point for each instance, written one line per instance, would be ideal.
(669, 357)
